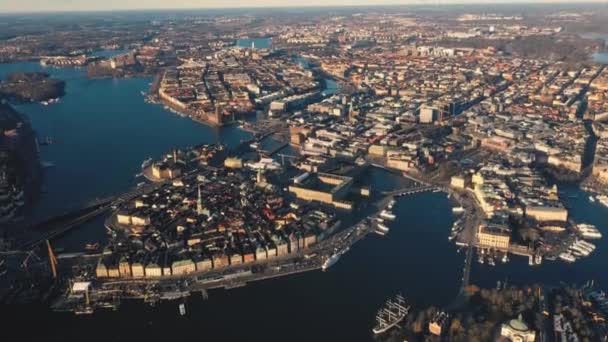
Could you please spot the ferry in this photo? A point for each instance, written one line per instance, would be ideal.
(382, 228)
(568, 257)
(393, 312)
(379, 232)
(458, 210)
(589, 231)
(146, 163)
(333, 258)
(387, 215)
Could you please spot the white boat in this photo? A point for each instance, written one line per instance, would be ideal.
(458, 210)
(391, 204)
(591, 199)
(387, 215)
(382, 228)
(603, 199)
(568, 257)
(589, 231)
(491, 262)
(505, 258)
(146, 163)
(393, 312)
(182, 309)
(333, 259)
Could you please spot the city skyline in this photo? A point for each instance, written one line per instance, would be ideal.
(24, 6)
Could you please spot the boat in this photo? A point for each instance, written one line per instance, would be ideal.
(480, 259)
(382, 228)
(458, 210)
(91, 247)
(391, 204)
(379, 232)
(538, 259)
(146, 163)
(333, 258)
(591, 199)
(568, 257)
(387, 215)
(182, 309)
(603, 199)
(589, 231)
(505, 258)
(84, 310)
(393, 312)
(491, 262)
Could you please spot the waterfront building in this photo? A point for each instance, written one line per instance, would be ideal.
(495, 236)
(541, 214)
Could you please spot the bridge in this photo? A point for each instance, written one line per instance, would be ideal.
(411, 190)
(59, 225)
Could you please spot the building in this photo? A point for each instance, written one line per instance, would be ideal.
(325, 188)
(517, 330)
(458, 182)
(428, 114)
(542, 214)
(438, 324)
(493, 236)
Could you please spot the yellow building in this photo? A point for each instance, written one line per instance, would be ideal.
(542, 214)
(493, 236)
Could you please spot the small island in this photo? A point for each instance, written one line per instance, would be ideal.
(31, 87)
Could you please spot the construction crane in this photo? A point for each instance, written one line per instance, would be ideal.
(52, 259)
(283, 156)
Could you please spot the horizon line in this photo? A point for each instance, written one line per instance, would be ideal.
(416, 3)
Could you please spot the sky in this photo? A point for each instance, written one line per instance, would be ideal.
(9, 6)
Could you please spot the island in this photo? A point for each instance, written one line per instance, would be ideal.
(31, 87)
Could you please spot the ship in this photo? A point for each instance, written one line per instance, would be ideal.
(329, 262)
(393, 312)
(567, 257)
(458, 210)
(589, 231)
(385, 214)
(146, 163)
(382, 228)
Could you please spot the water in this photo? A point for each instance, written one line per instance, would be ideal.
(104, 129)
(258, 43)
(552, 272)
(601, 57)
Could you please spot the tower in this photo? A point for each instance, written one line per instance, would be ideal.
(199, 202)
